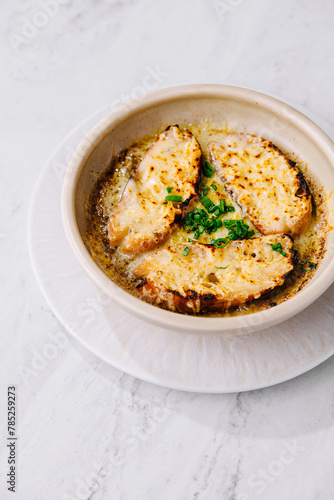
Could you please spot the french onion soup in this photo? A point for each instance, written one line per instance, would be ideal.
(203, 220)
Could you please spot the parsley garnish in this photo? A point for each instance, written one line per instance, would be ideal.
(199, 221)
(225, 208)
(308, 266)
(219, 243)
(169, 190)
(208, 169)
(207, 202)
(221, 267)
(186, 251)
(238, 229)
(217, 210)
(278, 248)
(171, 197)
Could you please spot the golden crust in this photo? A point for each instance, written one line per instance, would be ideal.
(213, 279)
(143, 220)
(271, 190)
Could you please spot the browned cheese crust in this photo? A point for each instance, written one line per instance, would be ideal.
(143, 220)
(213, 279)
(270, 189)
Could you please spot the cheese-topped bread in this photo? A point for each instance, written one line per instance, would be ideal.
(143, 218)
(270, 189)
(199, 277)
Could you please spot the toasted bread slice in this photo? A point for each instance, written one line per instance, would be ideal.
(214, 279)
(142, 220)
(270, 189)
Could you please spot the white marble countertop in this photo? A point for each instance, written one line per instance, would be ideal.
(86, 430)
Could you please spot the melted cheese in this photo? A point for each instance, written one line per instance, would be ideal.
(143, 219)
(310, 244)
(264, 183)
(242, 271)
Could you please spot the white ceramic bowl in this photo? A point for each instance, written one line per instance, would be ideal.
(239, 109)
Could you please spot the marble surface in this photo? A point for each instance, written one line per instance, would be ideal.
(85, 430)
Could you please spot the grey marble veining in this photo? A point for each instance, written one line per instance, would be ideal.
(87, 431)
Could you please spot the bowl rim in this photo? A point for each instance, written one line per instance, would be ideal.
(153, 314)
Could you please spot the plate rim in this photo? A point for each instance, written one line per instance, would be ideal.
(147, 312)
(150, 378)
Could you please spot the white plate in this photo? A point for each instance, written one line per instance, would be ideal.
(201, 363)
